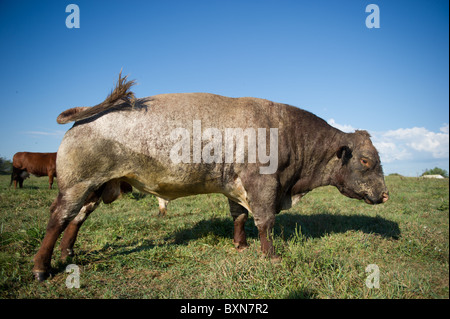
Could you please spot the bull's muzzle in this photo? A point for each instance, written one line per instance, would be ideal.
(383, 199)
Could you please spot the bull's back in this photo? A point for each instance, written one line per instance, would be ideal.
(136, 144)
(147, 128)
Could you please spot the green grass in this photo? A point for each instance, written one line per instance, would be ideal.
(125, 250)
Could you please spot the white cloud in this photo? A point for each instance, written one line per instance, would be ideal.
(344, 128)
(421, 140)
(390, 152)
(56, 133)
(408, 145)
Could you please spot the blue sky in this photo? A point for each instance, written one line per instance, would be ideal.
(317, 55)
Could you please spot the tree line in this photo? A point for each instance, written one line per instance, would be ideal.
(5, 166)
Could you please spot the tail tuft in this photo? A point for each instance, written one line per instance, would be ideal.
(67, 115)
(121, 93)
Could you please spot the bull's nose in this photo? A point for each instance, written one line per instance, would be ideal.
(385, 197)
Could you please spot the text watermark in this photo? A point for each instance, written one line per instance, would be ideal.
(217, 143)
(373, 280)
(373, 19)
(73, 279)
(73, 19)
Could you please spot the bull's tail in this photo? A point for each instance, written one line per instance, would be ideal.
(121, 93)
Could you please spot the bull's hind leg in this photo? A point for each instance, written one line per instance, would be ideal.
(240, 215)
(71, 232)
(65, 207)
(109, 192)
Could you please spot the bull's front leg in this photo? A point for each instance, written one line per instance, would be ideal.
(264, 211)
(240, 215)
(265, 222)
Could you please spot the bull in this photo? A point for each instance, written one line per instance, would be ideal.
(137, 141)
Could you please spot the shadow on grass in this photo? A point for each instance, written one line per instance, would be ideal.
(287, 225)
(318, 225)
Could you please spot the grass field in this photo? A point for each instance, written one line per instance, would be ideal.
(125, 250)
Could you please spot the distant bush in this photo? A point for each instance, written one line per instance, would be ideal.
(5, 166)
(436, 171)
(395, 174)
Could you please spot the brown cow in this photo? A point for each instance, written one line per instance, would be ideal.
(38, 164)
(172, 145)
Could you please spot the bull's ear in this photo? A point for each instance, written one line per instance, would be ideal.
(344, 153)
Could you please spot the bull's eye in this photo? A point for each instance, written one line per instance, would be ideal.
(365, 162)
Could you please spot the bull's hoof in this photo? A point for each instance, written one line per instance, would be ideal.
(272, 257)
(66, 254)
(162, 212)
(240, 246)
(41, 275)
(276, 259)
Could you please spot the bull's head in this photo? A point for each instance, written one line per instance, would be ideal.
(360, 174)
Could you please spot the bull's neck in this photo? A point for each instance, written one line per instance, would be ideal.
(318, 160)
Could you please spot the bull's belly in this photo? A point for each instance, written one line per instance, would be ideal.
(170, 190)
